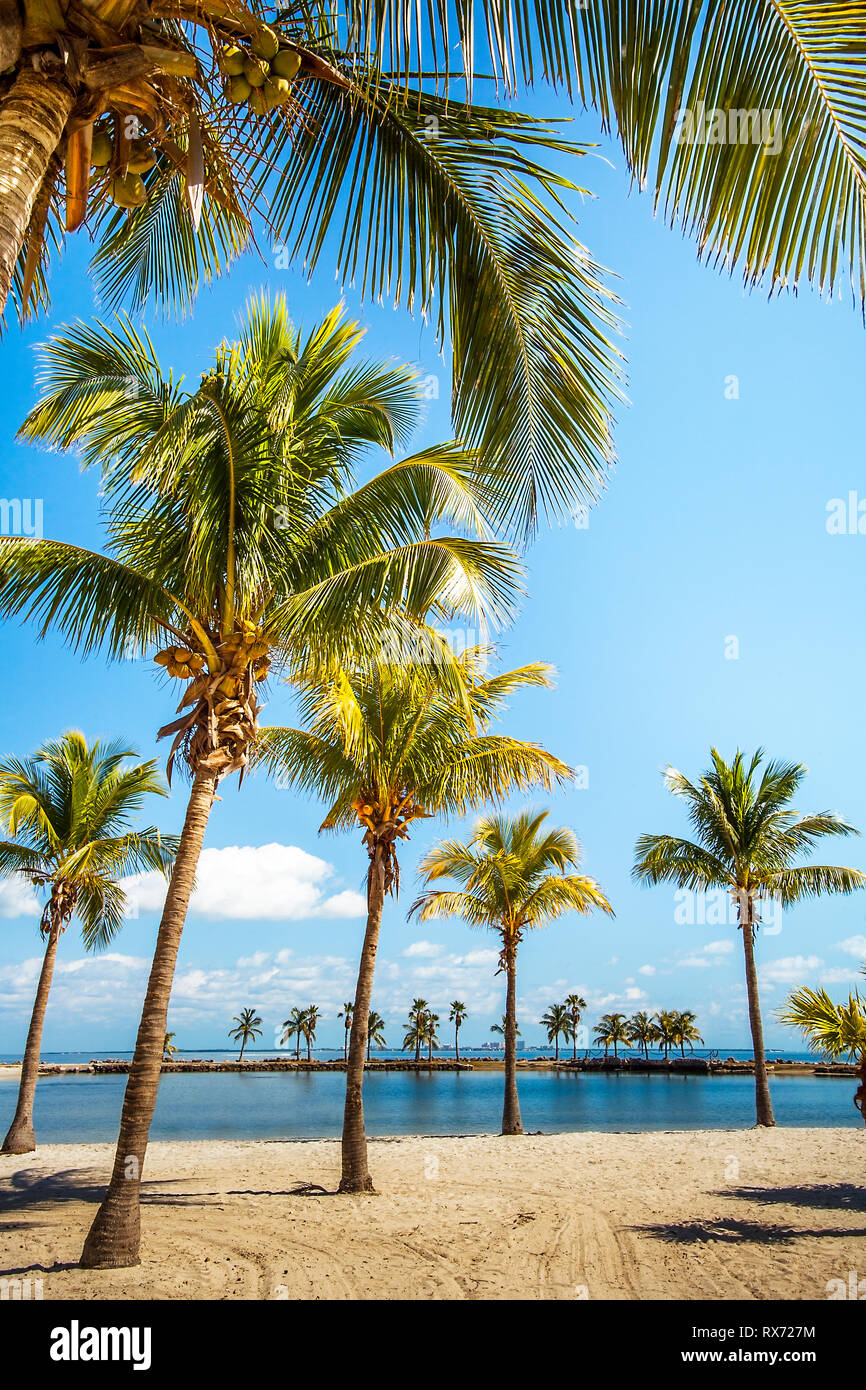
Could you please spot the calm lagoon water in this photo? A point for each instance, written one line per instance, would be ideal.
(299, 1105)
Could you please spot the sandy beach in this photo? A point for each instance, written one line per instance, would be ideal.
(697, 1215)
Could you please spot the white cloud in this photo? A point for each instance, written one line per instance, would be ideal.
(790, 969)
(713, 953)
(633, 994)
(17, 899)
(853, 946)
(423, 948)
(719, 948)
(646, 970)
(255, 882)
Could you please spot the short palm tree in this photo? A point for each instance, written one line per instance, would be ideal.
(248, 1028)
(310, 1021)
(514, 877)
(643, 1031)
(575, 1004)
(293, 1027)
(748, 839)
(168, 1047)
(502, 1026)
(665, 1026)
(415, 1027)
(685, 1030)
(431, 1035)
(612, 1030)
(375, 1031)
(67, 809)
(832, 1030)
(557, 1022)
(457, 1014)
(346, 1015)
(231, 534)
(388, 745)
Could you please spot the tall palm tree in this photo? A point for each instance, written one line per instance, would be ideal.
(643, 1031)
(231, 532)
(832, 1030)
(431, 1036)
(310, 1021)
(248, 1028)
(293, 1026)
(346, 1015)
(415, 1026)
(387, 745)
(168, 1047)
(685, 1030)
(375, 1031)
(514, 877)
(457, 1014)
(575, 1004)
(748, 839)
(557, 1021)
(67, 809)
(665, 1030)
(611, 1030)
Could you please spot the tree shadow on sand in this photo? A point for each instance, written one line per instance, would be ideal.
(23, 1191)
(840, 1196)
(734, 1231)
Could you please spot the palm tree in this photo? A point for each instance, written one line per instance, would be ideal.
(457, 1014)
(431, 1037)
(293, 1026)
(643, 1031)
(248, 1027)
(346, 1015)
(748, 838)
(500, 1027)
(575, 1004)
(685, 1030)
(557, 1021)
(665, 1027)
(168, 1047)
(375, 1031)
(832, 1030)
(611, 1030)
(415, 1027)
(388, 745)
(514, 877)
(230, 531)
(67, 809)
(310, 1019)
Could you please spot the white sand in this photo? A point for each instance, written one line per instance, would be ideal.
(712, 1215)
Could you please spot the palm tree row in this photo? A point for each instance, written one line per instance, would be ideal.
(668, 1028)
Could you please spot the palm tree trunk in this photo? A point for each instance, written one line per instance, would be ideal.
(556, 1046)
(21, 1138)
(511, 1123)
(113, 1239)
(860, 1093)
(457, 1043)
(356, 1175)
(32, 120)
(763, 1104)
(243, 1045)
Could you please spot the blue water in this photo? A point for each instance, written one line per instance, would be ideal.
(299, 1105)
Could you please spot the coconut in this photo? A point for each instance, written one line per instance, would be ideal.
(258, 102)
(128, 191)
(255, 70)
(287, 63)
(237, 89)
(231, 61)
(265, 44)
(142, 156)
(101, 148)
(276, 91)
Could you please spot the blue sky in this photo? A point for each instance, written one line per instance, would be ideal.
(714, 528)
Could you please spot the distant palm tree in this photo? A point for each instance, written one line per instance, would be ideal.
(346, 1015)
(611, 1030)
(310, 1022)
(168, 1047)
(832, 1030)
(415, 1026)
(514, 878)
(501, 1027)
(458, 1014)
(665, 1030)
(575, 1003)
(375, 1031)
(643, 1031)
(248, 1027)
(557, 1021)
(67, 809)
(685, 1030)
(431, 1037)
(747, 841)
(293, 1026)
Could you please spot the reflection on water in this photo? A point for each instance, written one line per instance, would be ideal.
(302, 1105)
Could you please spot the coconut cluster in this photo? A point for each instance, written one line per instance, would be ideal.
(259, 75)
(127, 188)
